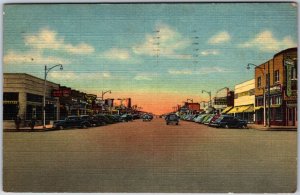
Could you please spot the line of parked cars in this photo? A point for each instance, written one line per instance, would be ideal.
(85, 121)
(216, 120)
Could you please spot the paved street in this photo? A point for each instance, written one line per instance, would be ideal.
(150, 157)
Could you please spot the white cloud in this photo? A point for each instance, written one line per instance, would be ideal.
(48, 39)
(145, 76)
(179, 72)
(266, 42)
(116, 54)
(165, 42)
(31, 57)
(71, 75)
(219, 38)
(201, 71)
(210, 52)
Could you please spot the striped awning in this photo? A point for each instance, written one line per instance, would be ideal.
(226, 109)
(10, 102)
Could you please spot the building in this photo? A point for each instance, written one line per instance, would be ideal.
(244, 100)
(23, 96)
(280, 89)
(189, 108)
(220, 103)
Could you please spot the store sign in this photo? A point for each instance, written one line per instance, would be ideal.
(288, 63)
(61, 93)
(275, 89)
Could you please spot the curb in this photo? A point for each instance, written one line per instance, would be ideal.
(27, 130)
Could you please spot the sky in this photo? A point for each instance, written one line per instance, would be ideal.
(158, 54)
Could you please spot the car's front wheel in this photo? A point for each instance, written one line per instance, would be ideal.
(61, 127)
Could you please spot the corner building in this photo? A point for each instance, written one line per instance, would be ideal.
(282, 71)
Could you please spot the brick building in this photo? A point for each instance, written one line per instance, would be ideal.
(282, 71)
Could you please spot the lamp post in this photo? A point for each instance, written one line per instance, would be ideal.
(209, 93)
(263, 70)
(104, 92)
(47, 70)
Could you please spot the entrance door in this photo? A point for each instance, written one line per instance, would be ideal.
(291, 116)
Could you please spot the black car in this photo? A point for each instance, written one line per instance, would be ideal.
(227, 121)
(104, 119)
(92, 120)
(172, 118)
(147, 117)
(127, 117)
(71, 122)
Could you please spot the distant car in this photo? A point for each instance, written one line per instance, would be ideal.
(147, 117)
(227, 121)
(172, 119)
(127, 117)
(71, 122)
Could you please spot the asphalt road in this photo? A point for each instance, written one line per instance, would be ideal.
(150, 157)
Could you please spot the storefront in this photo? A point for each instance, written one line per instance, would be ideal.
(23, 96)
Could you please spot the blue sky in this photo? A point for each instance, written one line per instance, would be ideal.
(181, 48)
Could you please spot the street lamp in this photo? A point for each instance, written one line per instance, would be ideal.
(209, 93)
(47, 70)
(104, 92)
(263, 70)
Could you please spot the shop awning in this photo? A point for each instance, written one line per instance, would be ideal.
(250, 109)
(239, 109)
(226, 109)
(258, 107)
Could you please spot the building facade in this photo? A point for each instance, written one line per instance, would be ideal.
(244, 100)
(277, 78)
(23, 96)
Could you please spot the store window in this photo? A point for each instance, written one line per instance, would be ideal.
(278, 114)
(294, 73)
(276, 76)
(258, 81)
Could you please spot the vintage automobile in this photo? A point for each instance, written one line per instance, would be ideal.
(147, 117)
(71, 122)
(172, 119)
(227, 121)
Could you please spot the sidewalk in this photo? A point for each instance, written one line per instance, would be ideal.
(272, 128)
(27, 129)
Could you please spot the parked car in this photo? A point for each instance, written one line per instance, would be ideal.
(104, 119)
(147, 117)
(172, 119)
(207, 121)
(215, 118)
(199, 118)
(206, 118)
(127, 117)
(71, 122)
(92, 120)
(227, 121)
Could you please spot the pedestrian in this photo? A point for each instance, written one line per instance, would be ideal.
(18, 122)
(32, 123)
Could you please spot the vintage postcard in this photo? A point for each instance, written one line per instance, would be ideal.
(196, 97)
